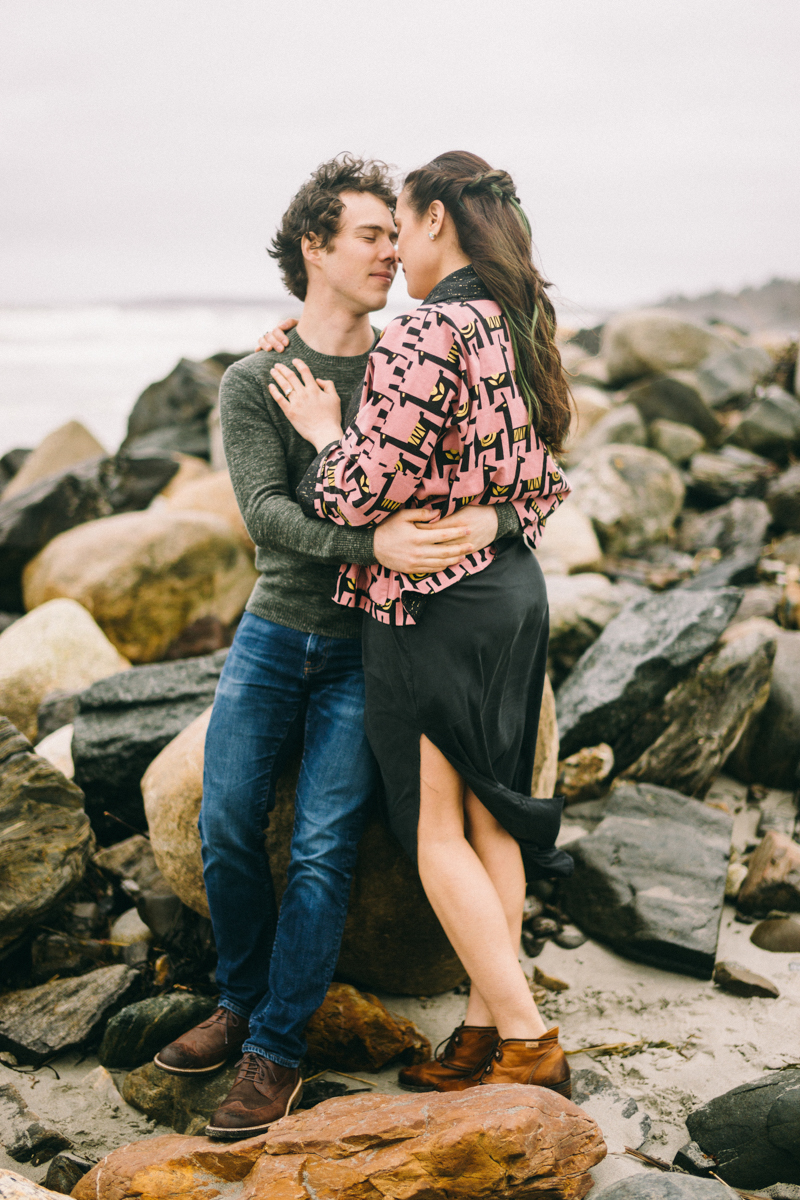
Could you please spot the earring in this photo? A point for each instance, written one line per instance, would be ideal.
(432, 236)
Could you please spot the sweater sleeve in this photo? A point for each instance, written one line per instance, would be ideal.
(377, 466)
(257, 464)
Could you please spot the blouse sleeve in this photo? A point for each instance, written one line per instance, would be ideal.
(411, 382)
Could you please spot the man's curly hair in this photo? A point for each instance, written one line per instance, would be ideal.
(316, 210)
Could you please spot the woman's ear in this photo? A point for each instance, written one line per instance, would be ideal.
(436, 215)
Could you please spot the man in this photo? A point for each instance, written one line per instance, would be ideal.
(294, 670)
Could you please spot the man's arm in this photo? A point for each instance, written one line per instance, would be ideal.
(257, 464)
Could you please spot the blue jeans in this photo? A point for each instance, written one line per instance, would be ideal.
(277, 685)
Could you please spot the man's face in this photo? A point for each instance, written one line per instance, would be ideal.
(360, 262)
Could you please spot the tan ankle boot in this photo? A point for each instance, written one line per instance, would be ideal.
(538, 1061)
(460, 1065)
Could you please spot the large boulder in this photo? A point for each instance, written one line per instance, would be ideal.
(650, 880)
(769, 749)
(637, 659)
(622, 425)
(495, 1143)
(57, 647)
(22, 1134)
(632, 495)
(738, 525)
(146, 577)
(716, 478)
(172, 414)
(771, 425)
(45, 838)
(392, 939)
(125, 721)
(211, 493)
(569, 542)
(732, 374)
(98, 488)
(783, 499)
(674, 398)
(704, 716)
(63, 448)
(649, 341)
(580, 608)
(753, 1131)
(40, 1022)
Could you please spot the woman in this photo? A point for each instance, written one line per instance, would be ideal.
(464, 400)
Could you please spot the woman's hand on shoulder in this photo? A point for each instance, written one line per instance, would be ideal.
(311, 405)
(276, 339)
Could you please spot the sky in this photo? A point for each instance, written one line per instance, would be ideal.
(149, 147)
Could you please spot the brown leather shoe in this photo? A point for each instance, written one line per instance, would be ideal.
(540, 1061)
(206, 1047)
(459, 1066)
(262, 1092)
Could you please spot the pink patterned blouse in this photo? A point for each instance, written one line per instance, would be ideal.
(441, 423)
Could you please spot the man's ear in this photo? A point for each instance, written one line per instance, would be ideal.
(311, 248)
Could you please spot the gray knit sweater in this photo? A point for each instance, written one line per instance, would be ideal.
(298, 557)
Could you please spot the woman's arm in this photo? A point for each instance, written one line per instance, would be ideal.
(375, 468)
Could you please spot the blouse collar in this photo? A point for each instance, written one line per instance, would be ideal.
(464, 284)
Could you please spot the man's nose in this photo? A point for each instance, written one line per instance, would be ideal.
(389, 251)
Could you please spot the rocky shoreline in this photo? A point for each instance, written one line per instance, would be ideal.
(671, 959)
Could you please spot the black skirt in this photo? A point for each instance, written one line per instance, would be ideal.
(469, 675)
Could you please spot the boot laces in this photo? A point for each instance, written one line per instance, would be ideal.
(252, 1067)
(222, 1014)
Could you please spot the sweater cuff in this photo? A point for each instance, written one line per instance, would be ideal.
(508, 522)
(307, 487)
(355, 546)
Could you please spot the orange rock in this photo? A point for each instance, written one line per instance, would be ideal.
(352, 1030)
(498, 1143)
(212, 492)
(773, 878)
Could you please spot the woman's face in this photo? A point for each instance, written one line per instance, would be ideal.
(419, 256)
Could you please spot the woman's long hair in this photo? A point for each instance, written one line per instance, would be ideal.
(495, 234)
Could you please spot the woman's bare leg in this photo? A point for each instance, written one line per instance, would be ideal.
(466, 900)
(500, 854)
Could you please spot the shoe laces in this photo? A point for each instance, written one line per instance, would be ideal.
(220, 1015)
(253, 1067)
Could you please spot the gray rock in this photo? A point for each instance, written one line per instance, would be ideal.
(753, 1131)
(637, 659)
(133, 860)
(717, 478)
(622, 1121)
(650, 880)
(62, 954)
(56, 710)
(180, 1102)
(7, 619)
(631, 494)
(667, 397)
(98, 488)
(769, 749)
(760, 600)
(179, 403)
(676, 441)
(732, 374)
(735, 569)
(781, 936)
(738, 525)
(644, 341)
(580, 608)
(45, 836)
(140, 1030)
(124, 721)
(65, 1170)
(786, 549)
(783, 499)
(622, 425)
(192, 438)
(781, 1191)
(739, 981)
(22, 1133)
(691, 1158)
(650, 1186)
(12, 460)
(704, 716)
(770, 426)
(39, 1022)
